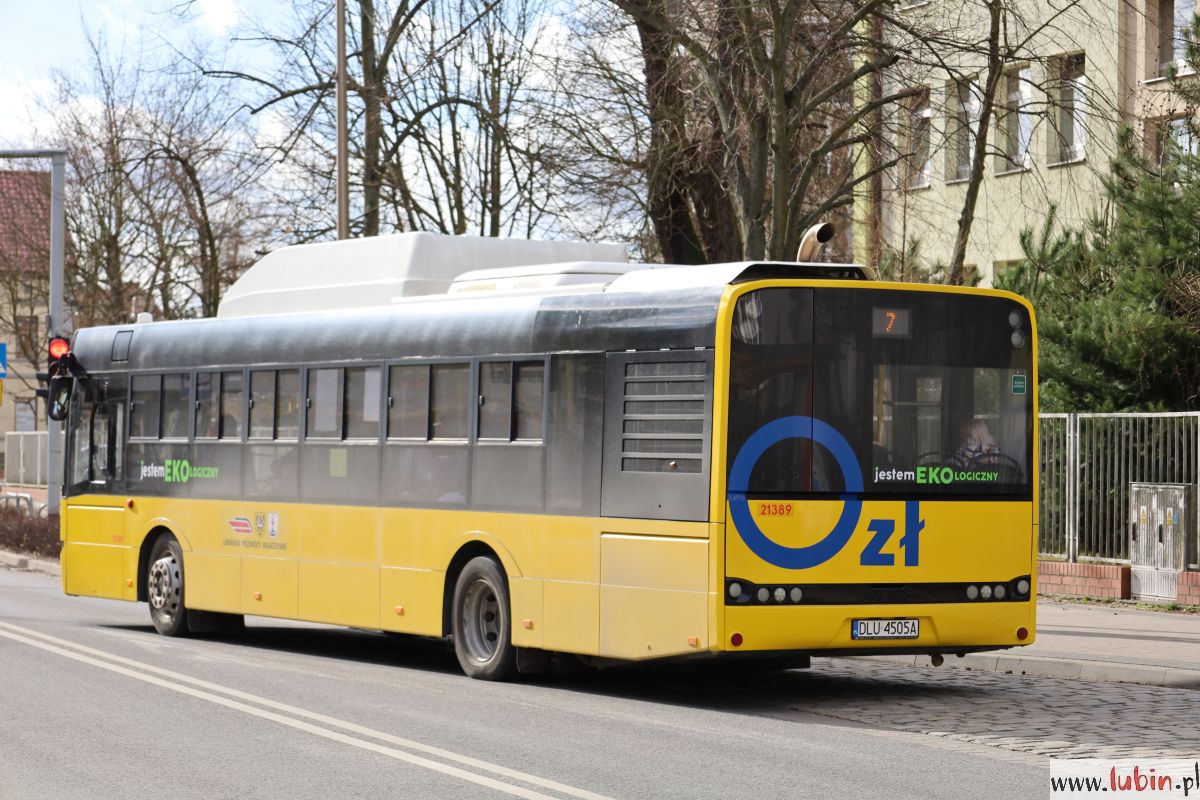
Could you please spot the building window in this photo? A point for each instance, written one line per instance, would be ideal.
(1176, 138)
(964, 127)
(26, 415)
(27, 333)
(1072, 107)
(918, 163)
(1016, 121)
(1175, 18)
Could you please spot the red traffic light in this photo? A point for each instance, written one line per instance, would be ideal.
(59, 347)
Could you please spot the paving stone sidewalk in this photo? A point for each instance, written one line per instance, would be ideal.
(1101, 643)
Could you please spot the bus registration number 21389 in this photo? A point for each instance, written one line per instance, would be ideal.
(885, 629)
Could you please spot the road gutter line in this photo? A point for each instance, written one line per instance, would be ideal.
(92, 656)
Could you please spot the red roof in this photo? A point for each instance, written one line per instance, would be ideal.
(24, 220)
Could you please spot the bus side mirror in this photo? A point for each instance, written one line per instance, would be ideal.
(58, 399)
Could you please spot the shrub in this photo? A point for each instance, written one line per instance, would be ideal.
(34, 535)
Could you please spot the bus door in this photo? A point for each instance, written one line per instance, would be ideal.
(94, 521)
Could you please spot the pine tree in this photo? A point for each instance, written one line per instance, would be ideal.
(1119, 302)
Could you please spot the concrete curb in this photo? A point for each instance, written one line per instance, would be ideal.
(22, 562)
(1072, 668)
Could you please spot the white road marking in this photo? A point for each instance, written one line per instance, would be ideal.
(212, 692)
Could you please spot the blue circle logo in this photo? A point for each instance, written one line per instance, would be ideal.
(739, 481)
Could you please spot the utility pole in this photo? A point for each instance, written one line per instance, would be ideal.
(58, 240)
(343, 168)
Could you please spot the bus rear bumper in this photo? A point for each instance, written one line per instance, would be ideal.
(943, 628)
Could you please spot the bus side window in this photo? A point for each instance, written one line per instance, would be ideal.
(176, 398)
(287, 405)
(510, 400)
(362, 402)
(207, 384)
(80, 427)
(231, 405)
(324, 404)
(408, 402)
(262, 404)
(117, 465)
(99, 471)
(448, 406)
(495, 400)
(530, 380)
(144, 406)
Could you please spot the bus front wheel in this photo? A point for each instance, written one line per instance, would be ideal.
(482, 621)
(164, 588)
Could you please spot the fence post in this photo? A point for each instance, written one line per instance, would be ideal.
(1073, 467)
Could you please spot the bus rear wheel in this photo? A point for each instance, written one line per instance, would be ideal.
(164, 588)
(482, 621)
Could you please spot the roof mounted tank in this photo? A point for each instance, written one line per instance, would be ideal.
(373, 271)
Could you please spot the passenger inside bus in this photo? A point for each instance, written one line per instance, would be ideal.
(977, 441)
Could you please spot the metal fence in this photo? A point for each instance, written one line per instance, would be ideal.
(25, 458)
(1087, 464)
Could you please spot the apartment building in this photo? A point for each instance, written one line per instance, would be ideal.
(24, 283)
(1076, 71)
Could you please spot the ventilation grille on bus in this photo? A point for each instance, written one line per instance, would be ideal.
(663, 417)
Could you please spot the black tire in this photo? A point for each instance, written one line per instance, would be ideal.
(482, 621)
(164, 588)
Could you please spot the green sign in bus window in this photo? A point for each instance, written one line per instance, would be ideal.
(1018, 384)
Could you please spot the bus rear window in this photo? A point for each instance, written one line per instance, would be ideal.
(931, 391)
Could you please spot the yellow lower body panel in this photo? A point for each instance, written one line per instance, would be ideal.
(96, 570)
(653, 595)
(345, 594)
(220, 588)
(946, 625)
(269, 587)
(404, 600)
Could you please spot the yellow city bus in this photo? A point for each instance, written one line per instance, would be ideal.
(731, 461)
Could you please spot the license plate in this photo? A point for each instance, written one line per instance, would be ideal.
(885, 629)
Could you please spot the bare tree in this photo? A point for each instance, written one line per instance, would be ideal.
(758, 103)
(163, 194)
(441, 114)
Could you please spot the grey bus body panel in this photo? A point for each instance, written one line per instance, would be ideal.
(429, 329)
(562, 474)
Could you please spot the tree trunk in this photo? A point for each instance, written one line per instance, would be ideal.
(995, 73)
(670, 214)
(372, 120)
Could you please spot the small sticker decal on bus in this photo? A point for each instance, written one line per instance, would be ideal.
(241, 525)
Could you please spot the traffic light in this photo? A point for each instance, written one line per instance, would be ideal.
(58, 348)
(57, 378)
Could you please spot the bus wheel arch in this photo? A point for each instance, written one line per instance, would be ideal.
(480, 615)
(164, 585)
(462, 557)
(148, 543)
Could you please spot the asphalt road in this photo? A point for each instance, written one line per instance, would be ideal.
(94, 704)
